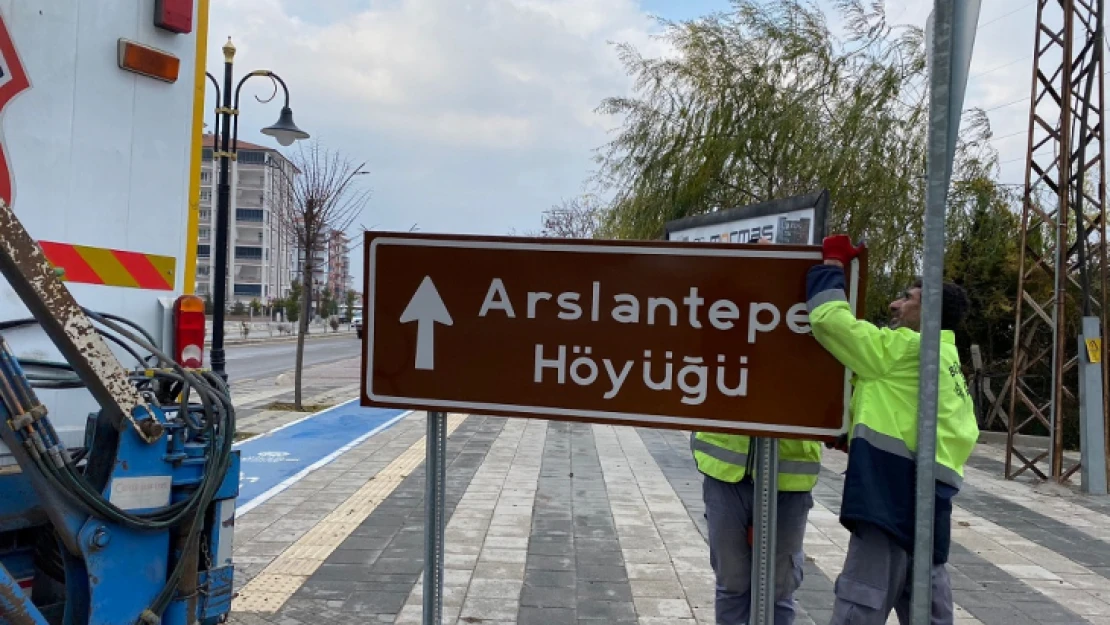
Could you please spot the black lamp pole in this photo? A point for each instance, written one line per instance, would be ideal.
(227, 131)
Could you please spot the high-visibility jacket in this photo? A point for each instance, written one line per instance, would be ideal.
(728, 457)
(879, 487)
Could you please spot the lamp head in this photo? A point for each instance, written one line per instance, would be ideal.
(284, 130)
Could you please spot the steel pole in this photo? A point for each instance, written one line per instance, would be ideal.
(765, 530)
(223, 221)
(936, 192)
(435, 467)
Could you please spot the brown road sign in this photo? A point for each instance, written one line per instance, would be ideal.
(658, 334)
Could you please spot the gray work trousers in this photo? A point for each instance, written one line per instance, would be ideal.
(876, 580)
(728, 513)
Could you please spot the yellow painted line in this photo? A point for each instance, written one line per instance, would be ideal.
(278, 581)
(200, 81)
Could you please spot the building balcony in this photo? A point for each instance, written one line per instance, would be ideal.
(247, 290)
(248, 254)
(250, 215)
(251, 180)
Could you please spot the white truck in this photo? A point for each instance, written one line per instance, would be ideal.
(101, 106)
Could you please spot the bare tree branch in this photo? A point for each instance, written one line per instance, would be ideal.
(320, 199)
(578, 218)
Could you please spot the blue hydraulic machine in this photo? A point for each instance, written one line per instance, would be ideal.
(135, 527)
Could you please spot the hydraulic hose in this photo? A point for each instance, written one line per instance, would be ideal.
(55, 464)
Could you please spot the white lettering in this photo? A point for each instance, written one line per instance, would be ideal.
(755, 325)
(693, 302)
(569, 303)
(628, 309)
(693, 379)
(497, 288)
(797, 318)
(665, 384)
(559, 364)
(535, 298)
(722, 314)
(595, 313)
(695, 393)
(580, 362)
(616, 379)
(741, 389)
(656, 302)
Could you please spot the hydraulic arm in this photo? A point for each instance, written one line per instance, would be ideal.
(135, 527)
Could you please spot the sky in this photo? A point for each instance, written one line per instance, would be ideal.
(475, 116)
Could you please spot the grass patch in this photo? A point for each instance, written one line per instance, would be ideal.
(240, 436)
(291, 407)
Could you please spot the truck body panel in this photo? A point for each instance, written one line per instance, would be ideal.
(97, 156)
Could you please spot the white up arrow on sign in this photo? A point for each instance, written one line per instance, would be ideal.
(426, 308)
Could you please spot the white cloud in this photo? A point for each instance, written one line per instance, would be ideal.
(487, 73)
(474, 115)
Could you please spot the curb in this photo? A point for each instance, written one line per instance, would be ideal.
(281, 339)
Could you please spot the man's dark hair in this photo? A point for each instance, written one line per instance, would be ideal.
(953, 307)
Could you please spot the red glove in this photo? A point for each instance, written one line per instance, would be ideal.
(839, 248)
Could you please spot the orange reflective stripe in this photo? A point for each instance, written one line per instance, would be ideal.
(97, 265)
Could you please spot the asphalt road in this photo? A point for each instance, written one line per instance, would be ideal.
(260, 360)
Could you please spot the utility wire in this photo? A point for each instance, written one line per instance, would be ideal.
(1005, 15)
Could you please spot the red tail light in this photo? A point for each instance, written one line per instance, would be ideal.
(188, 331)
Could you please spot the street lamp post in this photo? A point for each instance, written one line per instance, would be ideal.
(227, 130)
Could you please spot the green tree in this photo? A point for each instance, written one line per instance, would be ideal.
(349, 301)
(293, 302)
(764, 102)
(208, 308)
(982, 257)
(256, 306)
(326, 303)
(238, 309)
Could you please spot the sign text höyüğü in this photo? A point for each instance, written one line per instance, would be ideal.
(578, 363)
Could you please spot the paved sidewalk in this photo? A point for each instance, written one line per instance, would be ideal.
(556, 523)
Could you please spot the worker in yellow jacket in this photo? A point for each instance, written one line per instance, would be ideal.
(728, 489)
(879, 486)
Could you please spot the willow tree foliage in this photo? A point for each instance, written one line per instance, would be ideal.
(765, 102)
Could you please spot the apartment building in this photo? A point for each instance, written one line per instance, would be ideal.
(339, 265)
(261, 251)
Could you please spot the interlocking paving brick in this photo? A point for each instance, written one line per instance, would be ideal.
(984, 576)
(630, 547)
(391, 575)
(671, 452)
(571, 514)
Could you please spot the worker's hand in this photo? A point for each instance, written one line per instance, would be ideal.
(841, 444)
(838, 250)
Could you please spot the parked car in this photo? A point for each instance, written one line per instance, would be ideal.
(357, 323)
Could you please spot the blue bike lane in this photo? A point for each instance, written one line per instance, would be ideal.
(274, 461)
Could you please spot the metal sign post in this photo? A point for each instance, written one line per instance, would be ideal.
(435, 448)
(950, 38)
(765, 534)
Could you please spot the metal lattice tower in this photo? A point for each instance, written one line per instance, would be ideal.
(1063, 257)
